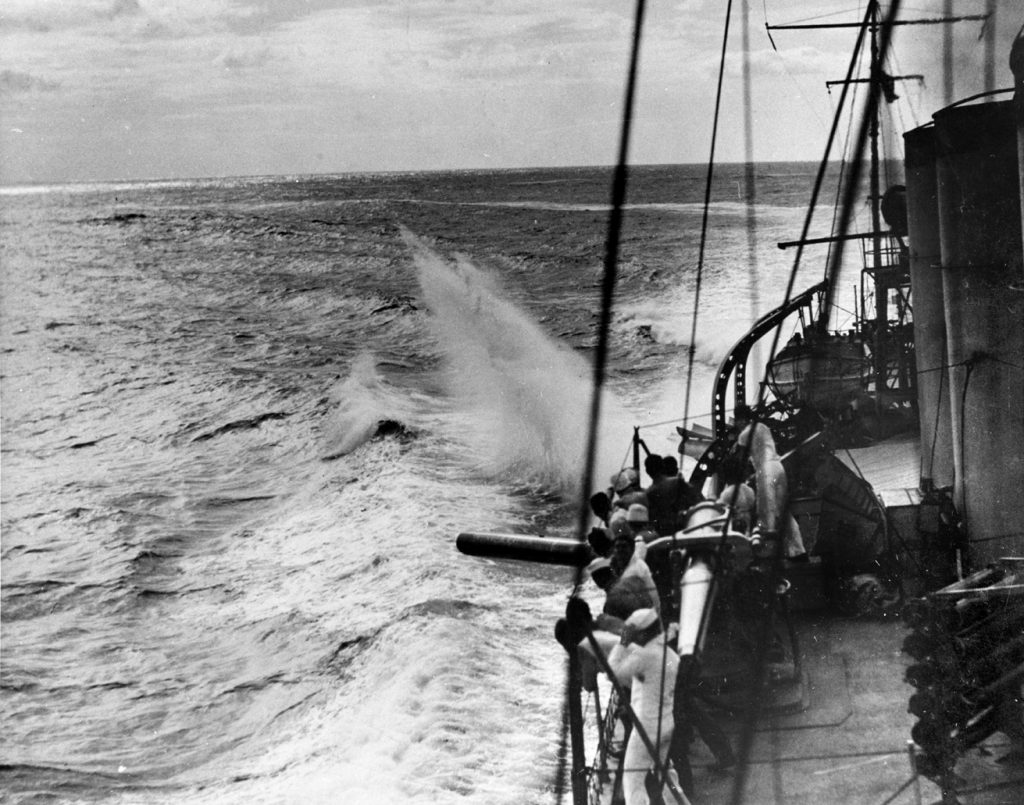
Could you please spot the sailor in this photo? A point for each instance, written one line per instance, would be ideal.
(627, 560)
(669, 495)
(626, 485)
(658, 560)
(653, 466)
(691, 495)
(606, 628)
(601, 506)
(620, 526)
(600, 571)
(623, 597)
(599, 541)
(643, 661)
(640, 523)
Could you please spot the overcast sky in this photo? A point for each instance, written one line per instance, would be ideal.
(94, 90)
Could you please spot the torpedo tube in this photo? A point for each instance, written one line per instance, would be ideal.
(524, 548)
(980, 237)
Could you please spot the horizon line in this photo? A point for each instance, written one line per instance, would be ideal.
(42, 185)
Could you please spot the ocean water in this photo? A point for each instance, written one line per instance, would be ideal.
(243, 421)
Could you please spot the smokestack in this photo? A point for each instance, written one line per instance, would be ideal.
(929, 316)
(979, 197)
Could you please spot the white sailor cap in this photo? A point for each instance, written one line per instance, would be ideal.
(625, 479)
(620, 529)
(638, 513)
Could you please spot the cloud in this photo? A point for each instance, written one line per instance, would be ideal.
(241, 57)
(13, 82)
(375, 84)
(123, 8)
(437, 46)
(804, 60)
(50, 15)
(124, 20)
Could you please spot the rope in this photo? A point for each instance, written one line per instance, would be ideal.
(608, 283)
(691, 352)
(938, 417)
(852, 187)
(820, 178)
(748, 171)
(900, 790)
(601, 355)
(843, 163)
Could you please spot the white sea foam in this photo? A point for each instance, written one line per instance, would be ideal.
(525, 396)
(361, 401)
(437, 653)
(197, 606)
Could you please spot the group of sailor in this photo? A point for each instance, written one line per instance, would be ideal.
(639, 652)
(629, 631)
(666, 499)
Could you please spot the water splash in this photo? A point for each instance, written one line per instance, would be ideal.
(526, 396)
(362, 403)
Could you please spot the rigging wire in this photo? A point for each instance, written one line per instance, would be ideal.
(610, 275)
(706, 615)
(910, 106)
(785, 67)
(748, 171)
(970, 364)
(900, 790)
(709, 183)
(843, 162)
(747, 733)
(943, 377)
(852, 187)
(601, 358)
(820, 178)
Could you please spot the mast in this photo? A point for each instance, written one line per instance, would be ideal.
(876, 77)
(947, 57)
(879, 77)
(990, 46)
(886, 268)
(879, 350)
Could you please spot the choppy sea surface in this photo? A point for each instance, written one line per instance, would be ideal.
(243, 421)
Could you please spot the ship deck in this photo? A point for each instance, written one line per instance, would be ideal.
(850, 743)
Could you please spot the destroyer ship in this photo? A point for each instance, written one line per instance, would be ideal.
(889, 667)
